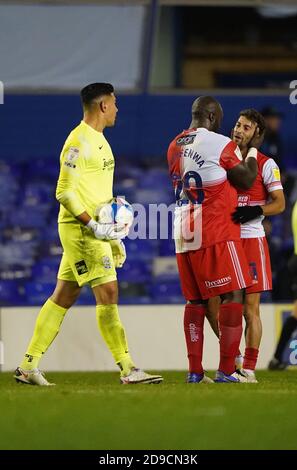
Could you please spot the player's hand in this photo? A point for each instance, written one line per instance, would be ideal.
(108, 231)
(257, 139)
(244, 214)
(118, 252)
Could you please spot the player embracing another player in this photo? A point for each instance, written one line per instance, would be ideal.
(205, 167)
(264, 198)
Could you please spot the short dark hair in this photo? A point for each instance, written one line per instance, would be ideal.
(256, 117)
(95, 90)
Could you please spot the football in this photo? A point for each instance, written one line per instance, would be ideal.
(118, 212)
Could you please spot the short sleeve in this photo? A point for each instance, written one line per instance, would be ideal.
(230, 156)
(271, 176)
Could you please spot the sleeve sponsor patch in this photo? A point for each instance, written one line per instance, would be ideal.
(71, 156)
(276, 173)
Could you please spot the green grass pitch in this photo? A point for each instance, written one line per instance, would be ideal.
(93, 411)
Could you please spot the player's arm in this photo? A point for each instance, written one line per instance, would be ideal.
(71, 170)
(277, 204)
(240, 173)
(244, 174)
(272, 181)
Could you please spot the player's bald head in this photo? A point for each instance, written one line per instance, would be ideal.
(208, 112)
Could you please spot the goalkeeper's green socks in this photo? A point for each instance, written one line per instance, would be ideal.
(47, 327)
(113, 333)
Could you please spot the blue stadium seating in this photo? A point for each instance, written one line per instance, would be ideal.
(30, 250)
(135, 269)
(165, 291)
(86, 297)
(11, 293)
(141, 249)
(45, 271)
(38, 292)
(28, 217)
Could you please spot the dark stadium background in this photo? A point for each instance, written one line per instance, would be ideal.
(232, 53)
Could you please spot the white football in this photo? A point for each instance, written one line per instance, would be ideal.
(117, 212)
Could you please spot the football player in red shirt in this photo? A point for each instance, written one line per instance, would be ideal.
(264, 198)
(204, 167)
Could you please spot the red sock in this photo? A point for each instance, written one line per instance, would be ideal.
(193, 328)
(250, 358)
(230, 325)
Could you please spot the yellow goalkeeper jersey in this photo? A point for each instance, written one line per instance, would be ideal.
(86, 173)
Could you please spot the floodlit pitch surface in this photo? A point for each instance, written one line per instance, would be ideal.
(93, 411)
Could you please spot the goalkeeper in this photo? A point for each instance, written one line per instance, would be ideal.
(91, 251)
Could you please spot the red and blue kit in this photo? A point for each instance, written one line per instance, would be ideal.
(210, 256)
(252, 233)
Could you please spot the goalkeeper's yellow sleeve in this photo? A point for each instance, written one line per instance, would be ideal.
(72, 169)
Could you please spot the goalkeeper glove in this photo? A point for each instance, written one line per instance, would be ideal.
(107, 231)
(244, 214)
(118, 252)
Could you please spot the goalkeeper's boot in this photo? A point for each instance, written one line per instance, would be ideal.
(248, 374)
(138, 376)
(31, 377)
(275, 364)
(194, 378)
(221, 377)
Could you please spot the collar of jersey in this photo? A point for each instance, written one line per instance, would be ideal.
(91, 129)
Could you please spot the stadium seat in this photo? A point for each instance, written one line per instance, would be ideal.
(134, 292)
(167, 247)
(21, 234)
(39, 194)
(45, 169)
(135, 269)
(11, 293)
(44, 271)
(25, 217)
(141, 249)
(22, 253)
(166, 291)
(86, 297)
(9, 189)
(155, 178)
(15, 272)
(38, 292)
(154, 195)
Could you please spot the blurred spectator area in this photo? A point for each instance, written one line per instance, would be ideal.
(228, 47)
(30, 249)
